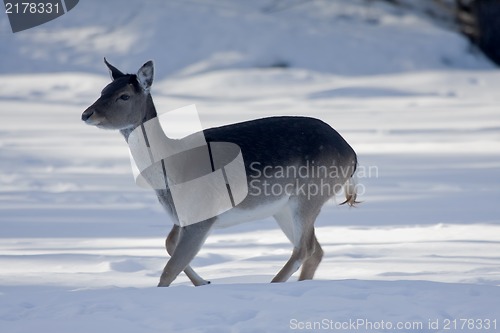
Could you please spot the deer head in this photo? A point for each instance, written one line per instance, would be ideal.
(126, 102)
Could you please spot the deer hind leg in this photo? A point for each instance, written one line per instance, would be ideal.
(311, 264)
(170, 244)
(190, 240)
(298, 226)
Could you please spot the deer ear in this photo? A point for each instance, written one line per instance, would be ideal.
(113, 71)
(145, 75)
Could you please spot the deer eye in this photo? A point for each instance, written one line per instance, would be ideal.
(124, 97)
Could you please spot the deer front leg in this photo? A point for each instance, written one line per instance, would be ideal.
(191, 238)
(170, 244)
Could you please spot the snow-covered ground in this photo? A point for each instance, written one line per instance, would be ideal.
(81, 247)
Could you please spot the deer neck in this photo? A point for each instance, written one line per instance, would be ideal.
(150, 148)
(148, 145)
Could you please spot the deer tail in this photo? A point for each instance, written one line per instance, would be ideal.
(350, 191)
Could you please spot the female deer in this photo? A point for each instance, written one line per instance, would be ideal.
(293, 166)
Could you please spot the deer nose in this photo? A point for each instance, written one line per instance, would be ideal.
(87, 114)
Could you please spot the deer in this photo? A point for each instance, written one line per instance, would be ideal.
(303, 155)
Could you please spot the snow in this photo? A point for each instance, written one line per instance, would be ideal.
(81, 247)
(247, 308)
